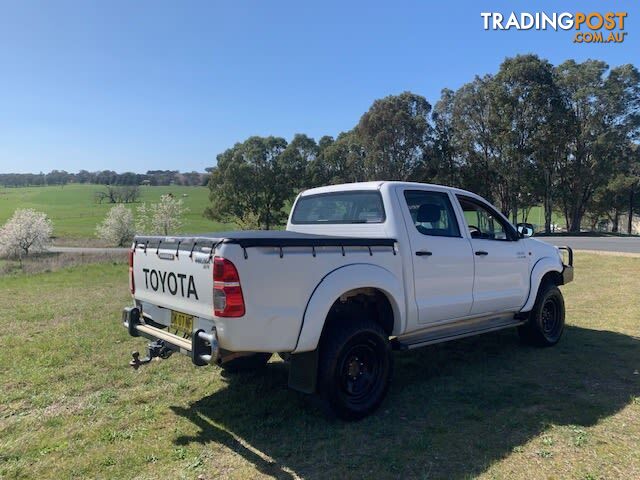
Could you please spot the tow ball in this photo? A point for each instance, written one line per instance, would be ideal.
(156, 349)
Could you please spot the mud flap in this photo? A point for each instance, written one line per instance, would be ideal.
(303, 371)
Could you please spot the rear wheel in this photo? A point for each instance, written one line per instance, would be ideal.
(546, 320)
(355, 367)
(247, 363)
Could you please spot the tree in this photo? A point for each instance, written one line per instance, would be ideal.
(106, 177)
(26, 231)
(396, 136)
(634, 186)
(129, 193)
(117, 228)
(446, 163)
(617, 196)
(339, 161)
(476, 137)
(251, 183)
(528, 112)
(118, 194)
(318, 170)
(57, 177)
(162, 218)
(603, 117)
(296, 158)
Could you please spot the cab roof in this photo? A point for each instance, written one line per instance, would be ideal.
(377, 185)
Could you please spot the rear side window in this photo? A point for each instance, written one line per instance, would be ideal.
(432, 213)
(339, 207)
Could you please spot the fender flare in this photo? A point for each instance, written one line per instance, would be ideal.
(340, 281)
(539, 270)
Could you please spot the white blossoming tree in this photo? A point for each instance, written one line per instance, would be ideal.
(118, 227)
(25, 232)
(162, 218)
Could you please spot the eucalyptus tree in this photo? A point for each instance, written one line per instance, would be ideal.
(619, 196)
(603, 112)
(530, 118)
(396, 136)
(446, 163)
(251, 183)
(476, 139)
(319, 171)
(301, 152)
(343, 160)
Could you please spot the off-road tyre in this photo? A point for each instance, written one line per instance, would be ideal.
(545, 324)
(355, 366)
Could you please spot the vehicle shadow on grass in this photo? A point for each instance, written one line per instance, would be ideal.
(453, 409)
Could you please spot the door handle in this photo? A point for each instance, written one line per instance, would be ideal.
(423, 253)
(481, 253)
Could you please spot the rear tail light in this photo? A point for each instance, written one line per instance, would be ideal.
(132, 284)
(227, 293)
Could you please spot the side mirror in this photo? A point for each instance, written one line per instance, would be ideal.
(525, 230)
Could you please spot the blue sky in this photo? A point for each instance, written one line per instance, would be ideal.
(169, 85)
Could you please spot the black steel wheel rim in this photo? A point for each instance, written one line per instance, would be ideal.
(360, 372)
(550, 318)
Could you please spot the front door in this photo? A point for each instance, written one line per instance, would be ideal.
(501, 260)
(442, 257)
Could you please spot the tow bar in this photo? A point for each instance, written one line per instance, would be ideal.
(157, 349)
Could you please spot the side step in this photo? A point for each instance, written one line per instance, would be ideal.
(454, 331)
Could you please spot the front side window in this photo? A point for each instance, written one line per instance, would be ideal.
(432, 213)
(339, 207)
(482, 222)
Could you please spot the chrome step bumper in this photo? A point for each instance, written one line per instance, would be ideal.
(202, 347)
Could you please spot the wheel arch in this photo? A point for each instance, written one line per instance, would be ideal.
(349, 281)
(546, 268)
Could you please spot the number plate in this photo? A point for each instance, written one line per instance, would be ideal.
(181, 322)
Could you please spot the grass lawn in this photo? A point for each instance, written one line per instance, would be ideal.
(75, 214)
(486, 407)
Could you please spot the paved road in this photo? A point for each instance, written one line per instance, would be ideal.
(86, 250)
(606, 244)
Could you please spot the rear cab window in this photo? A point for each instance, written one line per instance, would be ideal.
(339, 208)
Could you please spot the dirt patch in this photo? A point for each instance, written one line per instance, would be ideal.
(64, 406)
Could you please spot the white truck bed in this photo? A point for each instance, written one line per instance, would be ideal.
(279, 271)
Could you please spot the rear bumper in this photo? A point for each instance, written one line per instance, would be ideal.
(202, 347)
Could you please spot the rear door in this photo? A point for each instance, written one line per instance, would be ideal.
(442, 257)
(501, 259)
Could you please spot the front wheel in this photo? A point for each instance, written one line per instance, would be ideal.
(546, 320)
(355, 367)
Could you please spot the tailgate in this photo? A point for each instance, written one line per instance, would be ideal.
(175, 279)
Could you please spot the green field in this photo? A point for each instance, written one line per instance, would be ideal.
(486, 407)
(75, 214)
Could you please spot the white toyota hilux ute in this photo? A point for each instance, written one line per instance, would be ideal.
(362, 269)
